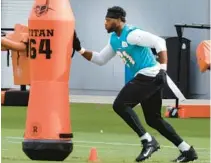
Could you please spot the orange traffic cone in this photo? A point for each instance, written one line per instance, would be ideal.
(166, 114)
(93, 155)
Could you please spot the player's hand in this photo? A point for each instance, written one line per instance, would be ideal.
(76, 42)
(161, 77)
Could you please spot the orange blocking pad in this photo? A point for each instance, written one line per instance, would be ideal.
(194, 111)
(20, 61)
(203, 55)
(48, 133)
(189, 109)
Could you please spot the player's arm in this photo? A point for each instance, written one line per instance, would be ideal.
(98, 58)
(143, 38)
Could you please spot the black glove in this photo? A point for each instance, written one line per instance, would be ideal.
(76, 42)
(161, 77)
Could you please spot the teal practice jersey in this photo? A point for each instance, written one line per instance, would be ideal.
(134, 56)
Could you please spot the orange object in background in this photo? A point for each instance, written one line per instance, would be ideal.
(190, 109)
(203, 55)
(48, 130)
(93, 155)
(194, 111)
(20, 59)
(16, 41)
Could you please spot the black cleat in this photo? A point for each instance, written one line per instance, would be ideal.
(187, 156)
(148, 149)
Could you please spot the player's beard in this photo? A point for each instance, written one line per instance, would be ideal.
(113, 28)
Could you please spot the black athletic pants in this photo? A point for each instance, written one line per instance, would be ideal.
(144, 90)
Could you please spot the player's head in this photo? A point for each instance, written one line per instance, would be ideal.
(114, 17)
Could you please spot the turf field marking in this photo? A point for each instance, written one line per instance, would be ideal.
(4, 149)
(76, 145)
(105, 149)
(106, 143)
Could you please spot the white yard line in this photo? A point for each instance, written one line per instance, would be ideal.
(85, 146)
(4, 149)
(105, 143)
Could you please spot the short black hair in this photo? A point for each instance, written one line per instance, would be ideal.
(119, 11)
